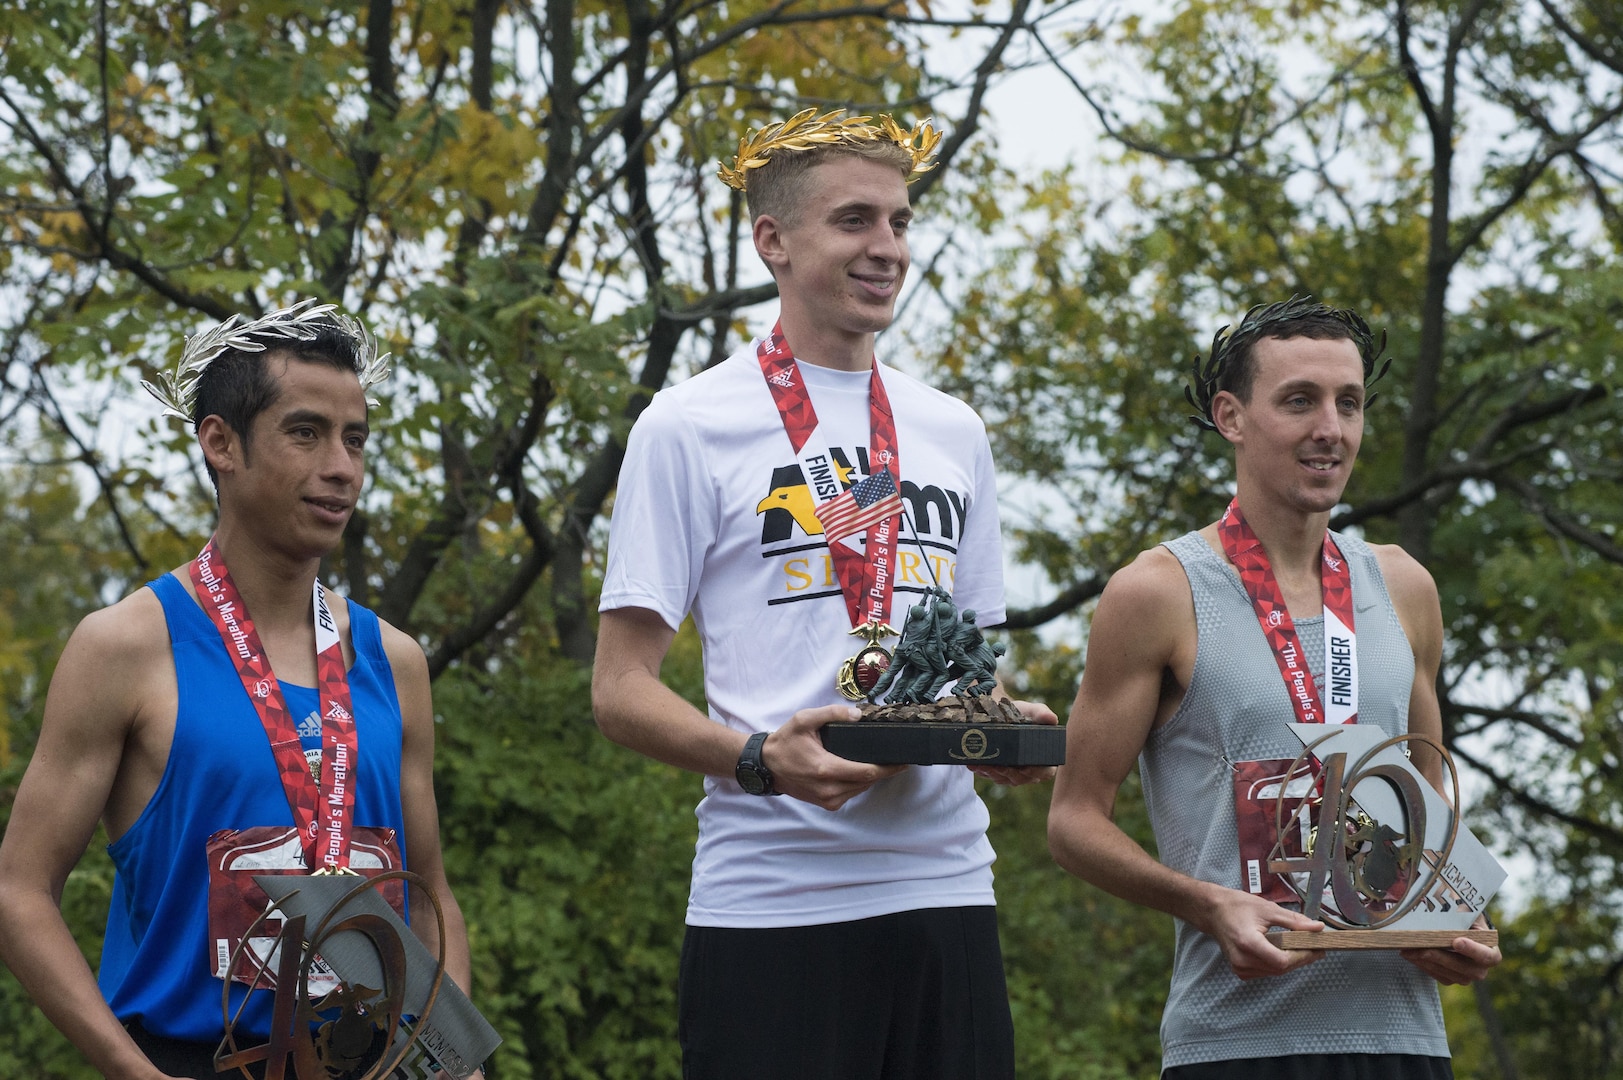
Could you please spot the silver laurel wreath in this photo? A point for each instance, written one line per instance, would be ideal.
(301, 322)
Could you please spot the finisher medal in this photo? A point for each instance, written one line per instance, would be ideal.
(859, 673)
(872, 506)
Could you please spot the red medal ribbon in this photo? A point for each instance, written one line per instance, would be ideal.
(1245, 551)
(324, 813)
(867, 580)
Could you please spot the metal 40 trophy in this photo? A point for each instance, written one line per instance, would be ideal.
(1373, 850)
(939, 645)
(357, 996)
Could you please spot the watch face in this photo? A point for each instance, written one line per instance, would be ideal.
(751, 781)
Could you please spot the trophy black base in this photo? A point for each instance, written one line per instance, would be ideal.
(916, 743)
(1377, 939)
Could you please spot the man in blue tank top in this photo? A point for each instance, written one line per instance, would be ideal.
(1196, 663)
(166, 716)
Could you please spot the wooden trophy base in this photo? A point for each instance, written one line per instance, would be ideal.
(1377, 939)
(951, 731)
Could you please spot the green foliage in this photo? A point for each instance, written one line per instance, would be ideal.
(1571, 944)
(570, 859)
(1265, 150)
(1087, 972)
(53, 573)
(521, 204)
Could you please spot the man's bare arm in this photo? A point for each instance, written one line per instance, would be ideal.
(1143, 615)
(418, 808)
(92, 707)
(635, 709)
(1414, 595)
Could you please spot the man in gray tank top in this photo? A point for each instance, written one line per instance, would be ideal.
(1202, 650)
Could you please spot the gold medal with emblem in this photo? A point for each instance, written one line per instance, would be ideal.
(859, 673)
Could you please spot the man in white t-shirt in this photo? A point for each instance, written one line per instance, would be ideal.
(847, 929)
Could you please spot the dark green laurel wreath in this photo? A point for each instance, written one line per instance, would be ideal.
(1262, 321)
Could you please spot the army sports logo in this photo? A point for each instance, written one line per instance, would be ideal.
(792, 537)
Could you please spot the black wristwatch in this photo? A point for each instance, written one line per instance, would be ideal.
(753, 775)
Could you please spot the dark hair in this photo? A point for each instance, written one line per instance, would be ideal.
(1230, 365)
(237, 387)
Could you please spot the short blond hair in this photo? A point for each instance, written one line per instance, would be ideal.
(778, 188)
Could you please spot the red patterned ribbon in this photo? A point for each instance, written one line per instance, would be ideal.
(1245, 551)
(323, 814)
(867, 580)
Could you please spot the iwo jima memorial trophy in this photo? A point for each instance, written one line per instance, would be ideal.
(904, 719)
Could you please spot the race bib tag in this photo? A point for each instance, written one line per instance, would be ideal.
(1258, 821)
(236, 902)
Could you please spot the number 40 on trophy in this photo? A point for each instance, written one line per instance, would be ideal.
(1378, 854)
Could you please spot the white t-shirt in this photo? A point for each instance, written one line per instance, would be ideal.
(713, 517)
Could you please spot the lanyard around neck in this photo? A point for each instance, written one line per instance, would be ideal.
(867, 580)
(1246, 552)
(323, 812)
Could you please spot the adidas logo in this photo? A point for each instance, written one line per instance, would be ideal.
(310, 726)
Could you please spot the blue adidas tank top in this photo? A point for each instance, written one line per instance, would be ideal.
(156, 962)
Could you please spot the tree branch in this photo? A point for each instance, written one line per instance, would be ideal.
(1523, 414)
(1531, 169)
(1441, 476)
(1069, 599)
(1237, 144)
(1411, 69)
(1607, 58)
(92, 461)
(720, 304)
(989, 65)
(1561, 522)
(590, 491)
(106, 249)
(560, 156)
(1530, 719)
(497, 455)
(1539, 807)
(541, 554)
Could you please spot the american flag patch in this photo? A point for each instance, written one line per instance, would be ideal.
(865, 503)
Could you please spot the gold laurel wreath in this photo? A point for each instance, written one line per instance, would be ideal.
(177, 390)
(806, 130)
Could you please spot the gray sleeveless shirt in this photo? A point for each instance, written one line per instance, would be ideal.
(1236, 709)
